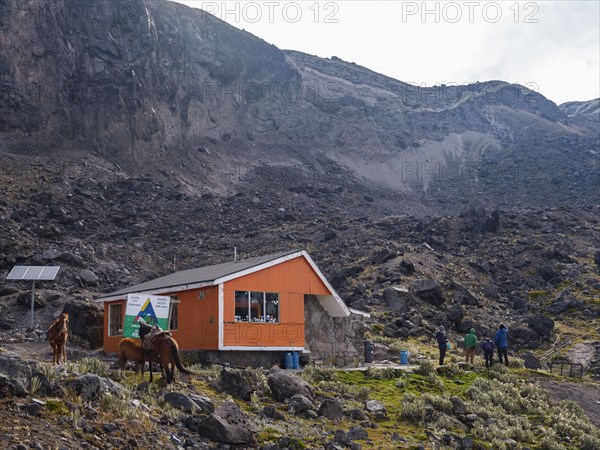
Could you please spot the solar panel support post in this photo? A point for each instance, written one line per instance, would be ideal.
(32, 301)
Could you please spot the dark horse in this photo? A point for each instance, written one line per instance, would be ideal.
(132, 350)
(58, 333)
(162, 344)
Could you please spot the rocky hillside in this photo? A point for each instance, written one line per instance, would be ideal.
(155, 85)
(537, 271)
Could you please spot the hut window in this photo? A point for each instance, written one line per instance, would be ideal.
(115, 319)
(174, 314)
(242, 306)
(256, 306)
(271, 307)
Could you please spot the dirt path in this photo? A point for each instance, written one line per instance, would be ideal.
(586, 395)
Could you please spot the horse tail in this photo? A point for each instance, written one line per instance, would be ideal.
(177, 359)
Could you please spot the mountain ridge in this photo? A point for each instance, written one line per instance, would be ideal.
(174, 88)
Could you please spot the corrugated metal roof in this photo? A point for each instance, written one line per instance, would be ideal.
(206, 275)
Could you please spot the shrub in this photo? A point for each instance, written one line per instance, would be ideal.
(381, 373)
(440, 403)
(49, 371)
(590, 443)
(425, 367)
(92, 365)
(315, 374)
(35, 385)
(412, 408)
(435, 381)
(550, 443)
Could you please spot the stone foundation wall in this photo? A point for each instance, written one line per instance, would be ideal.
(332, 340)
(234, 358)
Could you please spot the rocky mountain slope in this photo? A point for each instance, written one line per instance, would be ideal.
(155, 85)
(138, 138)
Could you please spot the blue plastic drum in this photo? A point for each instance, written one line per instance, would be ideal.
(403, 357)
(288, 361)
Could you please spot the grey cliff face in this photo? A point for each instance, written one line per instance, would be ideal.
(157, 85)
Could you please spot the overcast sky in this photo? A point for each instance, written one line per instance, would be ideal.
(552, 46)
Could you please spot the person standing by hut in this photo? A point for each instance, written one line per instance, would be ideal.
(471, 346)
(442, 340)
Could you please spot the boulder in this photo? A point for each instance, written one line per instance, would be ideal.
(24, 298)
(340, 277)
(358, 433)
(88, 277)
(271, 412)
(519, 304)
(16, 370)
(86, 320)
(521, 336)
(429, 291)
(50, 255)
(531, 361)
(458, 406)
(204, 404)
(547, 273)
(228, 424)
(357, 414)
(10, 388)
(180, 401)
(396, 300)
(331, 409)
(240, 383)
(466, 324)
(301, 405)
(407, 267)
(92, 387)
(376, 408)
(455, 314)
(563, 302)
(285, 385)
(383, 256)
(464, 297)
(390, 330)
(542, 325)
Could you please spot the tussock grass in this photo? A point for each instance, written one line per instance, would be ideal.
(49, 371)
(426, 367)
(92, 365)
(381, 373)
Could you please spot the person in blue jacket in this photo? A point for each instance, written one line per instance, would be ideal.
(442, 341)
(501, 341)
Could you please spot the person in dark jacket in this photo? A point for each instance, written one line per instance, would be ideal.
(471, 346)
(501, 341)
(488, 351)
(442, 341)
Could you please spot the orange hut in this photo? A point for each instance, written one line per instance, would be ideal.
(246, 310)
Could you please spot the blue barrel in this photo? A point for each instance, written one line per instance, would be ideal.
(296, 360)
(403, 357)
(288, 361)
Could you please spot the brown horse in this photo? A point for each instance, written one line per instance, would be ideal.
(132, 350)
(58, 333)
(168, 352)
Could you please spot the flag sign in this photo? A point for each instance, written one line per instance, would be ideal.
(152, 309)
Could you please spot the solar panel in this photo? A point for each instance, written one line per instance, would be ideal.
(33, 273)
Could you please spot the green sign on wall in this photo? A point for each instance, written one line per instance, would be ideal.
(152, 309)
